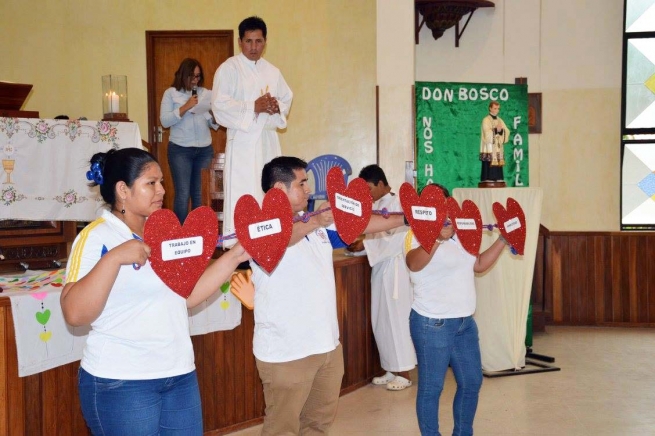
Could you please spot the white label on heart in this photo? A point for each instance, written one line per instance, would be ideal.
(513, 224)
(181, 248)
(424, 213)
(466, 224)
(348, 205)
(264, 228)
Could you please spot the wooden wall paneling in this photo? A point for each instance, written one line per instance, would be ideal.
(4, 363)
(548, 279)
(15, 391)
(640, 279)
(650, 274)
(575, 280)
(624, 279)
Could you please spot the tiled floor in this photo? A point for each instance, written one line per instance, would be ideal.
(606, 386)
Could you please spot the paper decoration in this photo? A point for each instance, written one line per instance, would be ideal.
(265, 232)
(511, 223)
(467, 223)
(351, 206)
(425, 214)
(180, 254)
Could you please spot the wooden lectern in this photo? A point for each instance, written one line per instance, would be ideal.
(29, 244)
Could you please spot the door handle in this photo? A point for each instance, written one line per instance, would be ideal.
(159, 134)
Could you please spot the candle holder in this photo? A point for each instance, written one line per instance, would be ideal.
(114, 98)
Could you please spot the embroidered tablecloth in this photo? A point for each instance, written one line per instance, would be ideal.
(44, 165)
(45, 341)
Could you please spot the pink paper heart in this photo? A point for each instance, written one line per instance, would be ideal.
(39, 295)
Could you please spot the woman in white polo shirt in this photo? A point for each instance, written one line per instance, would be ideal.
(137, 374)
(443, 330)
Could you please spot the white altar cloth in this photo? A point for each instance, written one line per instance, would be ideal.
(44, 340)
(44, 165)
(503, 292)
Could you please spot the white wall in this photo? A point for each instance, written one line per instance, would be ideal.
(570, 51)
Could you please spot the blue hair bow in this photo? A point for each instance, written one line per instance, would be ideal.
(95, 173)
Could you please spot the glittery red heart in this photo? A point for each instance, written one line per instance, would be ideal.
(511, 223)
(181, 275)
(467, 222)
(351, 206)
(426, 214)
(264, 232)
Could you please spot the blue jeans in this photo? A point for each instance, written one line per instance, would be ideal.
(164, 406)
(440, 343)
(185, 164)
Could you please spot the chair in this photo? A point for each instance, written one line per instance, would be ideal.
(319, 167)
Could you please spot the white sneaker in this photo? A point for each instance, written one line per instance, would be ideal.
(385, 379)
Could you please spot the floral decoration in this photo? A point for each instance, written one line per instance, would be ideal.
(70, 198)
(10, 195)
(8, 125)
(107, 132)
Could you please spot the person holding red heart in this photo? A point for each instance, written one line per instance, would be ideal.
(137, 374)
(443, 330)
(296, 340)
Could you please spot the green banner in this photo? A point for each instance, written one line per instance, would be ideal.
(448, 132)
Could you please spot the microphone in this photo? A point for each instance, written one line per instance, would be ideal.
(194, 91)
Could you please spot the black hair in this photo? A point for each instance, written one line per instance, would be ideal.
(443, 189)
(250, 24)
(185, 71)
(373, 174)
(281, 169)
(126, 164)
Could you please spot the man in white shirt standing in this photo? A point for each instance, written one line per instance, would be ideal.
(252, 100)
(296, 339)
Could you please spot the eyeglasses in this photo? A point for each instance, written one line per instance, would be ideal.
(197, 76)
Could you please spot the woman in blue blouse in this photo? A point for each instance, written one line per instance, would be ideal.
(189, 145)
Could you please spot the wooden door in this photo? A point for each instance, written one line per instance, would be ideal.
(165, 50)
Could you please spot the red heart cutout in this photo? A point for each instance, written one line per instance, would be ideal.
(467, 222)
(425, 214)
(265, 232)
(511, 223)
(351, 206)
(168, 240)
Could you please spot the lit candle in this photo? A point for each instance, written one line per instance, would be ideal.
(114, 102)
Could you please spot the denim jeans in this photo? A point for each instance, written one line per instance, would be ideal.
(185, 164)
(164, 406)
(440, 343)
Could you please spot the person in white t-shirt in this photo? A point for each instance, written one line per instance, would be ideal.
(442, 326)
(296, 338)
(137, 374)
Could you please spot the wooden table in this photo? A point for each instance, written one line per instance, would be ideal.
(232, 398)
